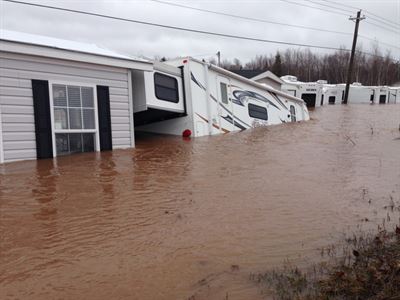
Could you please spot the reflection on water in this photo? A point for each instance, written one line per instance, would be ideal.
(178, 218)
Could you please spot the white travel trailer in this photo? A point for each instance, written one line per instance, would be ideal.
(380, 94)
(332, 94)
(310, 92)
(394, 95)
(188, 95)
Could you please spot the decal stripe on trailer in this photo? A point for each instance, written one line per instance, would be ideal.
(241, 127)
(214, 125)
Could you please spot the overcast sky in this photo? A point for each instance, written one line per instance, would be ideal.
(141, 40)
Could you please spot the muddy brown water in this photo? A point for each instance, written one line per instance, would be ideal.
(174, 218)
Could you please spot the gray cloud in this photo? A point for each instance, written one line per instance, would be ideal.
(136, 39)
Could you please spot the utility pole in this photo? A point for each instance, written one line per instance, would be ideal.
(353, 50)
(219, 58)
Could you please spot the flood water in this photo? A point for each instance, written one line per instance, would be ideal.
(191, 219)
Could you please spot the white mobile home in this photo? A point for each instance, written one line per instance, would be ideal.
(208, 100)
(59, 97)
(310, 92)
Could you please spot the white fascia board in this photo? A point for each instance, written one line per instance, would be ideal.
(28, 49)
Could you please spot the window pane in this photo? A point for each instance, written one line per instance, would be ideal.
(166, 88)
(75, 142)
(62, 146)
(87, 97)
(166, 94)
(165, 81)
(74, 96)
(88, 142)
(224, 93)
(258, 112)
(59, 95)
(60, 118)
(88, 118)
(75, 118)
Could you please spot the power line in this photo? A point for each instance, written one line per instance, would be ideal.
(305, 5)
(173, 27)
(366, 11)
(379, 42)
(182, 28)
(249, 18)
(341, 9)
(261, 20)
(384, 28)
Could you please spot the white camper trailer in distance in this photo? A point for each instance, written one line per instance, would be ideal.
(394, 95)
(310, 92)
(190, 95)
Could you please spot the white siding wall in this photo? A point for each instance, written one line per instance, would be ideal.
(16, 72)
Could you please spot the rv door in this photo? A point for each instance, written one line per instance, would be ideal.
(225, 106)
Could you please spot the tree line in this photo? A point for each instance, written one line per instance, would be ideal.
(375, 69)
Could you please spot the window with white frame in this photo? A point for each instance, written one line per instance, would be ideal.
(74, 123)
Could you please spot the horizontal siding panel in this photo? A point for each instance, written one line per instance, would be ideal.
(119, 113)
(15, 127)
(121, 134)
(55, 61)
(118, 91)
(11, 155)
(119, 98)
(19, 136)
(15, 82)
(19, 145)
(16, 118)
(119, 105)
(17, 109)
(15, 91)
(12, 73)
(120, 120)
(60, 69)
(118, 127)
(16, 100)
(121, 143)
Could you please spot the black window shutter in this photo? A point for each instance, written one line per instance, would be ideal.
(41, 106)
(103, 107)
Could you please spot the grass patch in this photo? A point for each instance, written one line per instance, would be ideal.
(363, 266)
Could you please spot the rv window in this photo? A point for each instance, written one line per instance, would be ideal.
(166, 88)
(332, 99)
(292, 113)
(224, 92)
(258, 112)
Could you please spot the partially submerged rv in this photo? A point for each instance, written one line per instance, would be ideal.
(310, 92)
(191, 95)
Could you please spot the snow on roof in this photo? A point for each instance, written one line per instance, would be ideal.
(40, 40)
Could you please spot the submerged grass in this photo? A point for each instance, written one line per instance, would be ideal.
(364, 266)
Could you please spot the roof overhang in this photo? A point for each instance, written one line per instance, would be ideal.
(44, 51)
(268, 75)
